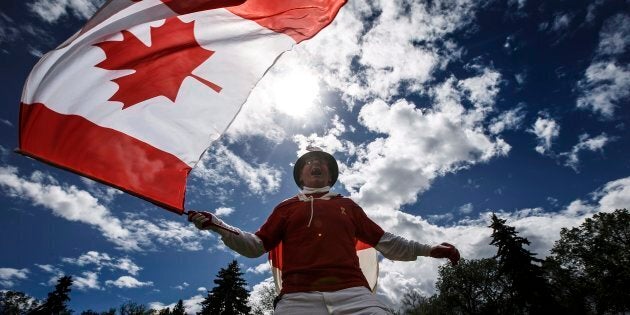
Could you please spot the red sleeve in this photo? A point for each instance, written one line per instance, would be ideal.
(367, 230)
(272, 231)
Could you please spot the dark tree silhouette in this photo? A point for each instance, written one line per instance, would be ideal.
(179, 309)
(589, 266)
(529, 291)
(56, 302)
(229, 296)
(133, 308)
(16, 303)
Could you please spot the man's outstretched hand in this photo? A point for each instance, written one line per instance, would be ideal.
(445, 250)
(203, 220)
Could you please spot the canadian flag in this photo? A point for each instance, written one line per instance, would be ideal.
(138, 94)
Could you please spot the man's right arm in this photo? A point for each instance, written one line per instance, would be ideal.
(244, 243)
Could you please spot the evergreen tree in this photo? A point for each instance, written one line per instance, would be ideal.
(55, 304)
(229, 296)
(589, 266)
(179, 309)
(529, 292)
(16, 303)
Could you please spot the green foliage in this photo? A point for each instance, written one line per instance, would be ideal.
(474, 287)
(529, 292)
(16, 303)
(229, 296)
(589, 266)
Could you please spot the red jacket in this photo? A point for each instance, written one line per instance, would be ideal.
(322, 256)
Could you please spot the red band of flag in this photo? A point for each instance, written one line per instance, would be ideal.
(103, 154)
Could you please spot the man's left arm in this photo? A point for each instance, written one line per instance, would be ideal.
(395, 247)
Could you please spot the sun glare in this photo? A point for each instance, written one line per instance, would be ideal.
(296, 93)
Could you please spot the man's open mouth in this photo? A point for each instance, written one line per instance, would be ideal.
(316, 171)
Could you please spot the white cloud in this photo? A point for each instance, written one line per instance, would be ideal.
(100, 260)
(192, 305)
(88, 280)
(202, 289)
(508, 120)
(467, 208)
(128, 282)
(260, 269)
(69, 203)
(399, 50)
(418, 145)
(182, 286)
(604, 85)
(546, 130)
(606, 81)
(586, 143)
(4, 121)
(52, 10)
(220, 166)
(9, 276)
(561, 22)
(614, 37)
(223, 211)
(472, 236)
(132, 233)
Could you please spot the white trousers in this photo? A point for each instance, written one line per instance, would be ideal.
(357, 300)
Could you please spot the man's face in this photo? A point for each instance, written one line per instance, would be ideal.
(315, 173)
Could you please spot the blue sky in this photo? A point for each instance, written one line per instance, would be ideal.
(439, 113)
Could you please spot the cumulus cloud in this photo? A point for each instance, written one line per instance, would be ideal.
(133, 233)
(606, 81)
(546, 130)
(472, 236)
(128, 282)
(223, 211)
(69, 203)
(397, 52)
(260, 269)
(53, 10)
(220, 166)
(9, 276)
(418, 145)
(586, 143)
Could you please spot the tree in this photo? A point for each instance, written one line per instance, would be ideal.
(589, 265)
(179, 309)
(529, 292)
(132, 308)
(473, 287)
(57, 299)
(16, 303)
(262, 297)
(229, 296)
(414, 303)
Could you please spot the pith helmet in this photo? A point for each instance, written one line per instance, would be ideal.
(316, 152)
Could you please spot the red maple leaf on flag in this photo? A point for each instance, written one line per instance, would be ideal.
(160, 69)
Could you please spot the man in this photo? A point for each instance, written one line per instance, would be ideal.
(318, 230)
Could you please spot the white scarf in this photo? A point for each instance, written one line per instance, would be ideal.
(308, 190)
